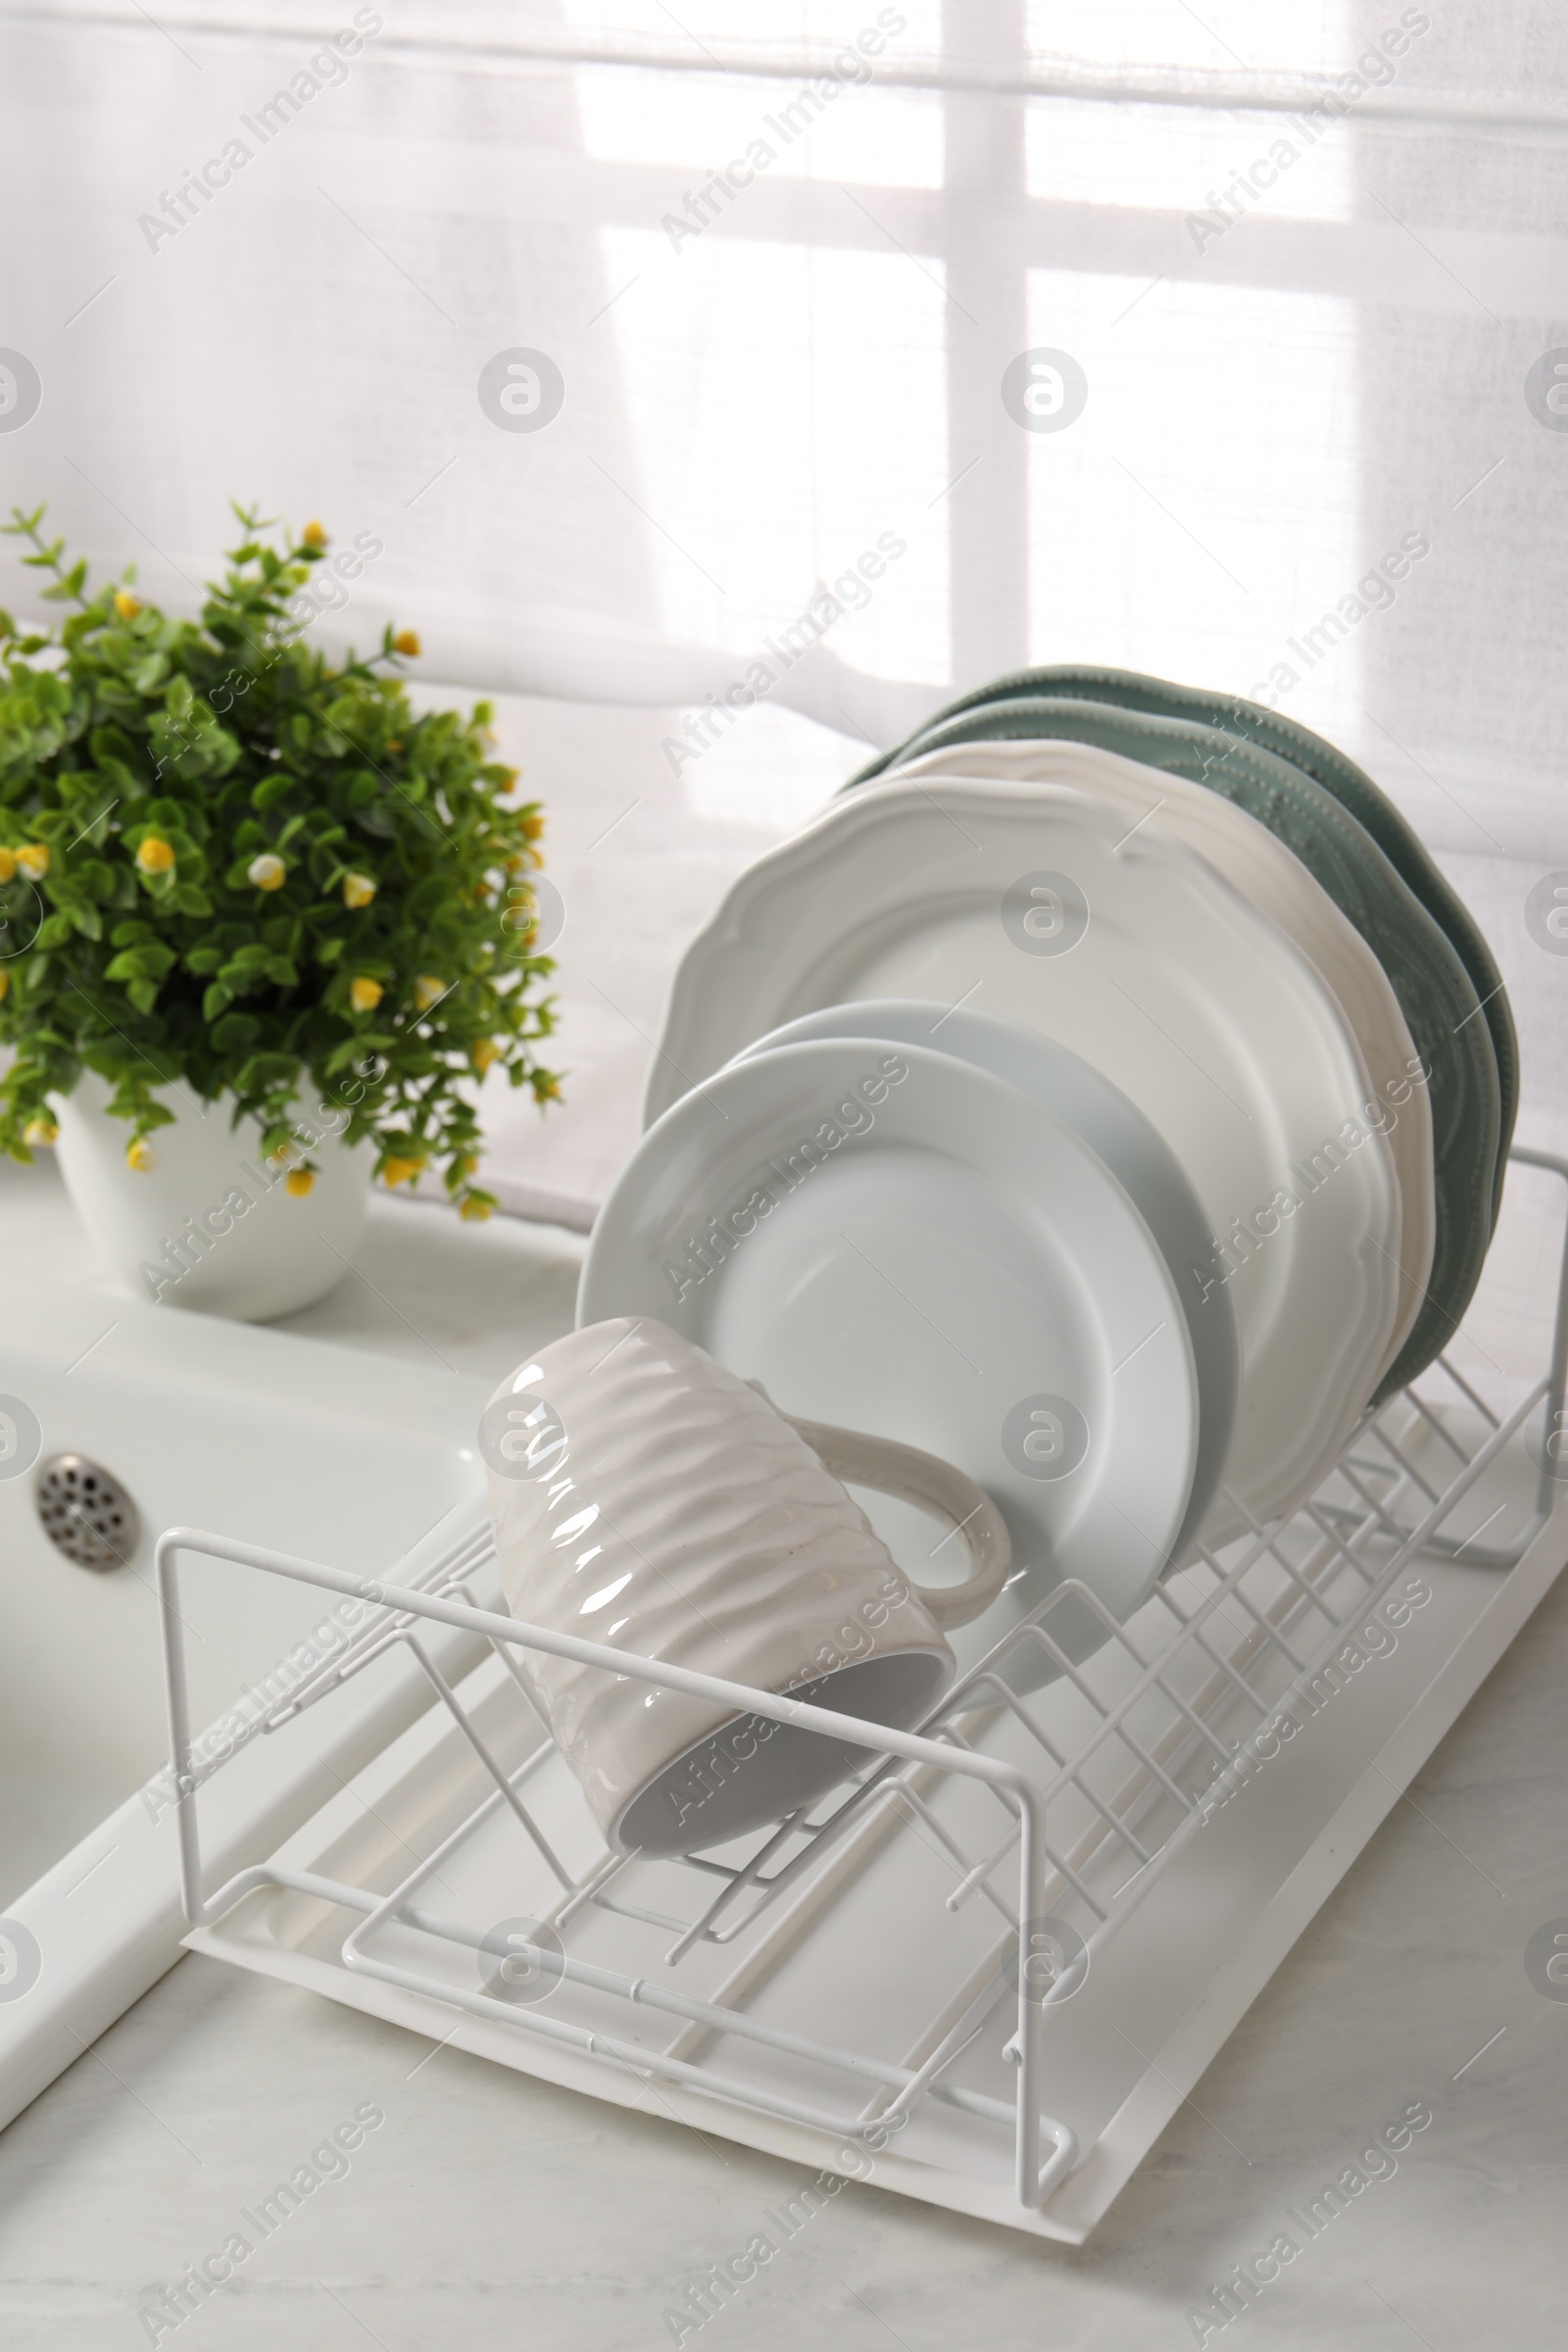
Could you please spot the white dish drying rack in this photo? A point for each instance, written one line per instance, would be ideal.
(987, 1970)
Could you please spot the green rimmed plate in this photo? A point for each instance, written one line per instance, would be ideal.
(1242, 723)
(1437, 995)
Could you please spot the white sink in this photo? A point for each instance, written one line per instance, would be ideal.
(307, 1447)
(361, 1456)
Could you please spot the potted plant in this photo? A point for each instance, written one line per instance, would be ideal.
(261, 927)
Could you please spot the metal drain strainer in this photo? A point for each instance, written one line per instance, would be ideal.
(86, 1512)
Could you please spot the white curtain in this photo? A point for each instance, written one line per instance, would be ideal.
(1297, 269)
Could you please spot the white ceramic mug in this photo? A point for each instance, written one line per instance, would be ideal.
(646, 1498)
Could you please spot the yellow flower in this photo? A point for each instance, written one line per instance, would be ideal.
(484, 1053)
(402, 1171)
(358, 890)
(268, 871)
(428, 991)
(473, 1210)
(154, 857)
(40, 1131)
(406, 641)
(312, 536)
(33, 859)
(7, 864)
(465, 1163)
(364, 995)
(140, 1155)
(549, 1092)
(127, 605)
(299, 1182)
(533, 825)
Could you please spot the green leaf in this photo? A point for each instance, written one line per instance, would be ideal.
(148, 961)
(118, 777)
(110, 747)
(263, 1070)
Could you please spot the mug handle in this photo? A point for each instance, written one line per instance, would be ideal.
(931, 1485)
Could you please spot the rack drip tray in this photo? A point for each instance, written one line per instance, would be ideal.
(986, 1971)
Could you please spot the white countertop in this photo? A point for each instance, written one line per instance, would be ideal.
(488, 2209)
(424, 1286)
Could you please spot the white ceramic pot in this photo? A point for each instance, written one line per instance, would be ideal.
(211, 1226)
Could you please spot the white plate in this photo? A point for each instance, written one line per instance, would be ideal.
(1257, 864)
(939, 1260)
(1042, 904)
(1138, 1157)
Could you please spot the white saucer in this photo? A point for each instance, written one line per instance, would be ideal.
(1261, 866)
(1044, 906)
(892, 1240)
(1139, 1158)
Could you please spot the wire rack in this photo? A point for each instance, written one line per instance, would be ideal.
(892, 1960)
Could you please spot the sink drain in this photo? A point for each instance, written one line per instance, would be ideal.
(85, 1513)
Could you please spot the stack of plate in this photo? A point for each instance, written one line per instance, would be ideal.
(1110, 1097)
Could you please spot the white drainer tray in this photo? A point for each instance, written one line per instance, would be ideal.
(987, 1970)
